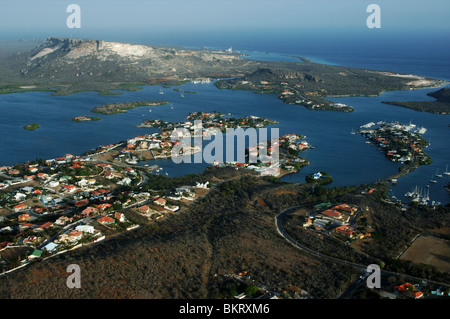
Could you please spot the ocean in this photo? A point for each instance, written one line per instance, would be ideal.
(345, 156)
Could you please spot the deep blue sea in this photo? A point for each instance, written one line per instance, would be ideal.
(345, 156)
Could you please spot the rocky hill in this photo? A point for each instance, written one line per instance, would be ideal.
(68, 65)
(79, 64)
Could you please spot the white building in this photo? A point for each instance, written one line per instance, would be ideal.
(201, 185)
(85, 229)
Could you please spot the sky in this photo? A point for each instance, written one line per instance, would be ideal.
(100, 17)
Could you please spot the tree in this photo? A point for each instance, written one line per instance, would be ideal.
(251, 290)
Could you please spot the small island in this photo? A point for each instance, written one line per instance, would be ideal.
(32, 127)
(319, 178)
(212, 120)
(114, 108)
(85, 118)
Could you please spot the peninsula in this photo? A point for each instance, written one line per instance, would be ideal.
(69, 65)
(440, 106)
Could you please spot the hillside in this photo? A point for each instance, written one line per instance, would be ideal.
(440, 106)
(194, 254)
(68, 65)
(313, 85)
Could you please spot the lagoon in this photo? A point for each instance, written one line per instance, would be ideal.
(345, 156)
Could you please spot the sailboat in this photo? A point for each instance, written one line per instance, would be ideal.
(182, 94)
(433, 180)
(353, 132)
(161, 91)
(446, 171)
(171, 107)
(437, 173)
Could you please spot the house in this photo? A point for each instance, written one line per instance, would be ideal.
(24, 226)
(44, 226)
(120, 217)
(201, 185)
(50, 246)
(345, 230)
(70, 188)
(308, 222)
(172, 208)
(75, 235)
(317, 175)
(85, 229)
(416, 294)
(160, 201)
(31, 240)
(53, 184)
(346, 208)
(144, 209)
(332, 213)
(72, 236)
(106, 220)
(81, 203)
(438, 291)
(20, 207)
(19, 196)
(405, 287)
(42, 175)
(108, 175)
(104, 206)
(62, 220)
(126, 181)
(89, 210)
(41, 210)
(33, 169)
(82, 183)
(27, 189)
(410, 290)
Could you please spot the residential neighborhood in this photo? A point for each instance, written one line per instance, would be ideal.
(50, 206)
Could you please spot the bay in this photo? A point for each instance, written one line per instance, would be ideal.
(345, 156)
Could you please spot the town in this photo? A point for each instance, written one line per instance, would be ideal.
(50, 206)
(402, 143)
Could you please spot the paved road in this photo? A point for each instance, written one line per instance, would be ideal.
(362, 268)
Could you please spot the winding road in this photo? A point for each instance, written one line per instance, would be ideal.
(363, 268)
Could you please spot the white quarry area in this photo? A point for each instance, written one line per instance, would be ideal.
(104, 49)
(126, 50)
